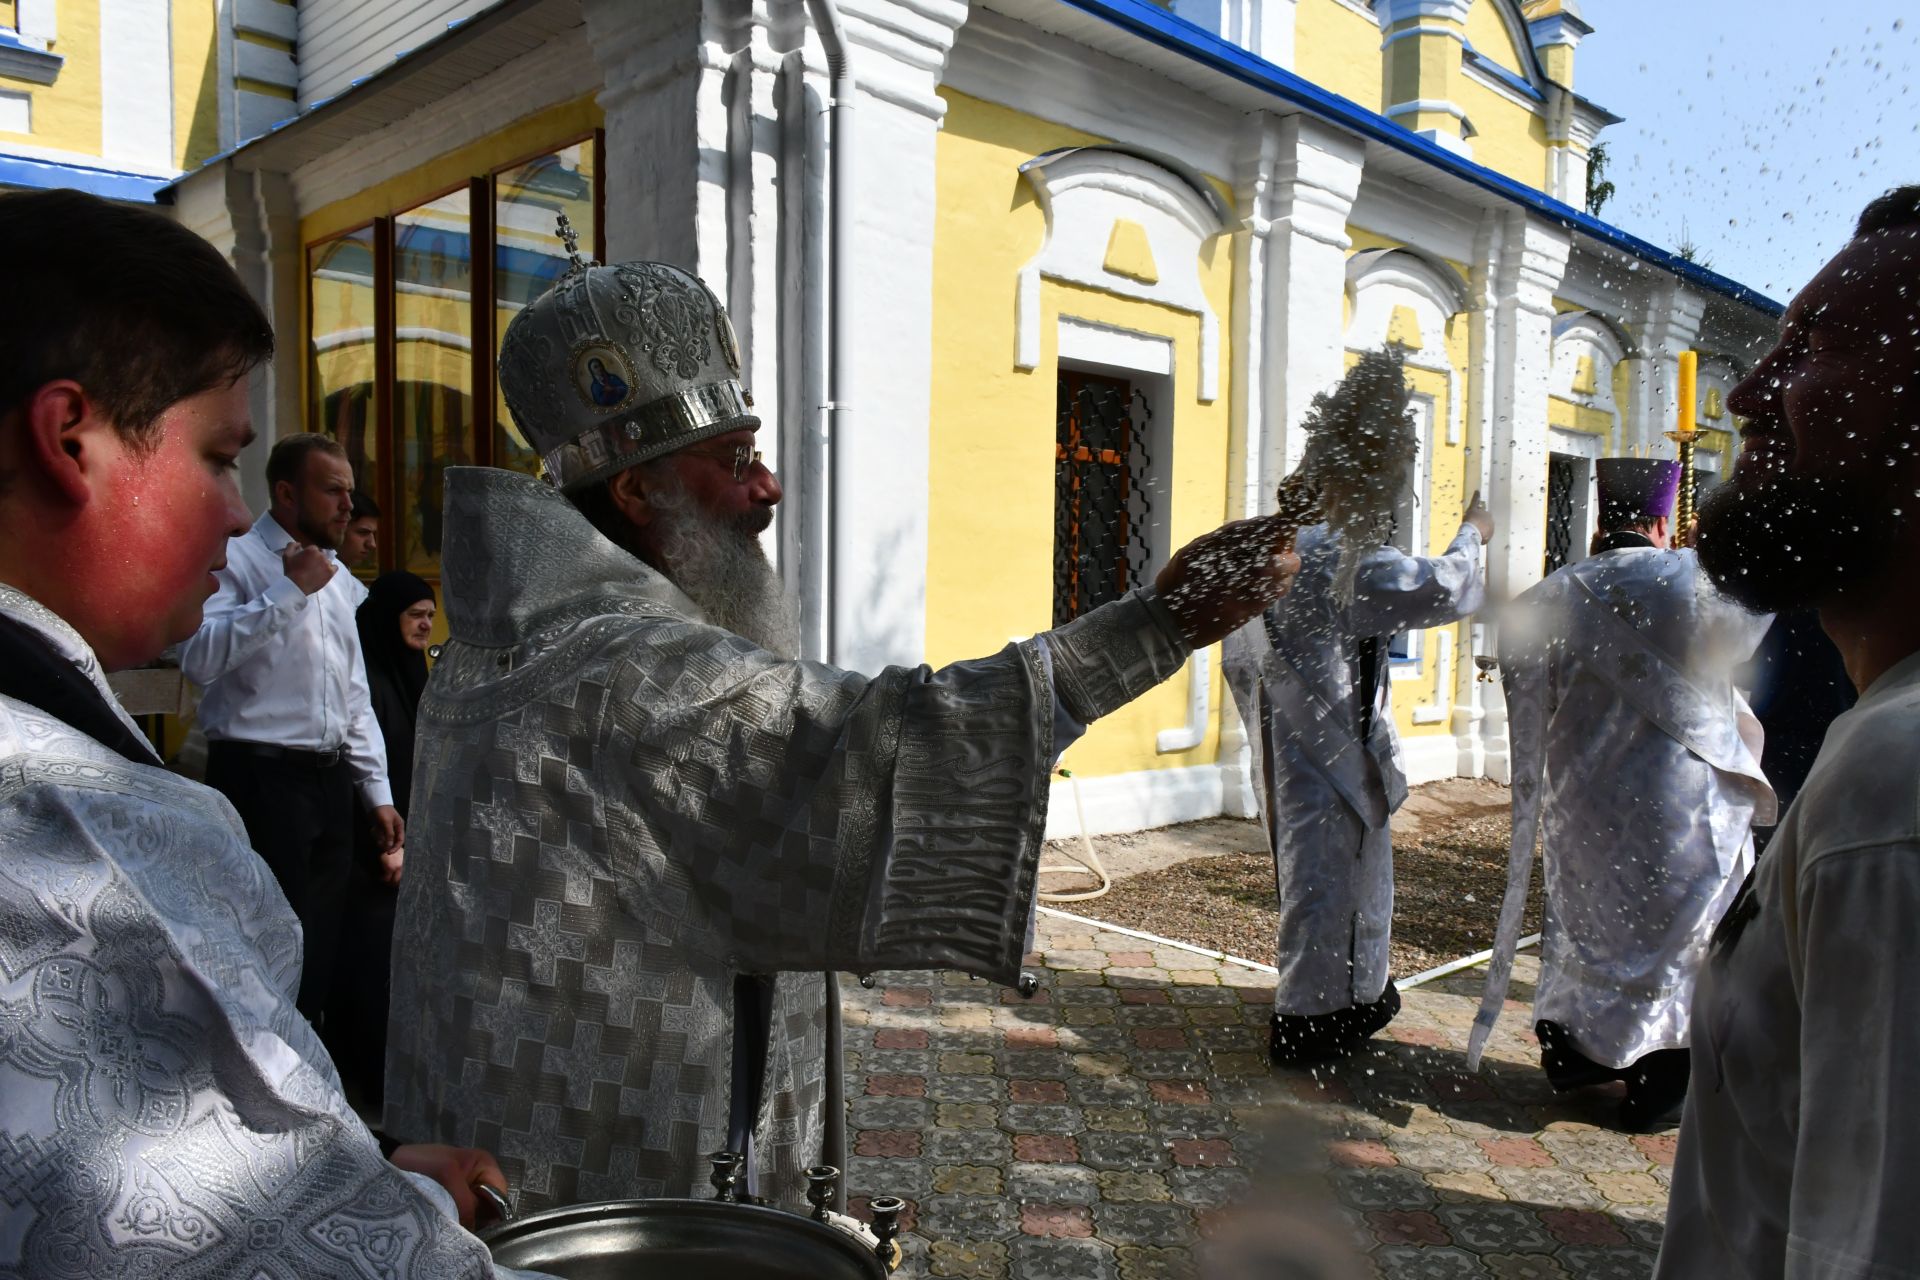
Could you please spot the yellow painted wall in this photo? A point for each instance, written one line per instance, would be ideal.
(66, 113)
(1510, 139)
(1338, 50)
(1491, 38)
(990, 520)
(196, 88)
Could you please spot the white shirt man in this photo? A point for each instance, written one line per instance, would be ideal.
(290, 727)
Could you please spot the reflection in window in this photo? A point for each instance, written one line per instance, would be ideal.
(433, 367)
(528, 256)
(341, 349)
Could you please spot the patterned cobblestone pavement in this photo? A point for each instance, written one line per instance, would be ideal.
(1119, 1122)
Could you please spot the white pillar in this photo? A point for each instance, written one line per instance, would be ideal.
(136, 85)
(899, 51)
(1665, 322)
(1315, 177)
(1295, 183)
(1520, 264)
(251, 218)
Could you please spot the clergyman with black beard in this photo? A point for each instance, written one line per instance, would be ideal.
(1800, 1153)
(643, 829)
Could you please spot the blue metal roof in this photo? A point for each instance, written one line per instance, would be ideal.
(1152, 23)
(24, 171)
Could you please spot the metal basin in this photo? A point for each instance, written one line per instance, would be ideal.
(680, 1240)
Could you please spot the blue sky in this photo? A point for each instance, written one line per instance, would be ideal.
(1760, 126)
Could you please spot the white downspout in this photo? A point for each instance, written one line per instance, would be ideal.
(824, 503)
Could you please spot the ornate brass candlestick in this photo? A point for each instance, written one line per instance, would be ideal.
(1683, 436)
(1683, 504)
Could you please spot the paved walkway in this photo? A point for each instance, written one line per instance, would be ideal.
(1112, 1125)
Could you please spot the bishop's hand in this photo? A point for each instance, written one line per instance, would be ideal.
(1220, 581)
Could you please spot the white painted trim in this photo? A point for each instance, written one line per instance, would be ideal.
(1011, 63)
(1414, 105)
(1157, 940)
(1199, 696)
(16, 111)
(1137, 801)
(1083, 196)
(1424, 30)
(1088, 342)
(136, 83)
(1429, 757)
(39, 21)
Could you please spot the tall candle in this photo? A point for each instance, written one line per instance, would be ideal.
(1689, 373)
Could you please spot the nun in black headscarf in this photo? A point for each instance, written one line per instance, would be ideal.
(395, 621)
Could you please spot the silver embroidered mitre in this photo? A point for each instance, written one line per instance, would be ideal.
(616, 365)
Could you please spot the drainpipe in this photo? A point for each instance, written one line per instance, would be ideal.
(824, 504)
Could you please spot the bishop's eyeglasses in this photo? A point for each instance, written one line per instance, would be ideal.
(742, 457)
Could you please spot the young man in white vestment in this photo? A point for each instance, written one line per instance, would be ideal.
(164, 1108)
(1800, 1148)
(641, 830)
(1313, 684)
(1632, 748)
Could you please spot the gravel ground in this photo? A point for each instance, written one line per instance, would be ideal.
(1449, 874)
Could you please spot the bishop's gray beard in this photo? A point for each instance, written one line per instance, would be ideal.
(719, 564)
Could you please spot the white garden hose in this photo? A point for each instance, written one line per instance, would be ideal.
(1086, 863)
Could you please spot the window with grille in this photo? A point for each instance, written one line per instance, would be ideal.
(1100, 508)
(1563, 473)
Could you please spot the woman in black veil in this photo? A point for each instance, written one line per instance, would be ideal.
(395, 622)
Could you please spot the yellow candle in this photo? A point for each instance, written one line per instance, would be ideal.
(1689, 372)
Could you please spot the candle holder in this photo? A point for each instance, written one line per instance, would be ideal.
(1683, 504)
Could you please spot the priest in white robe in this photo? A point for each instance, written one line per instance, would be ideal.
(641, 832)
(1640, 760)
(1313, 685)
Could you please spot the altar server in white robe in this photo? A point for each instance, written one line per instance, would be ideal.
(1641, 760)
(164, 1108)
(642, 829)
(1313, 686)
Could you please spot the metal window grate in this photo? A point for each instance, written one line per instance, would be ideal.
(1563, 473)
(1100, 504)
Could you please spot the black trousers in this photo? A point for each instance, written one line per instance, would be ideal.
(300, 820)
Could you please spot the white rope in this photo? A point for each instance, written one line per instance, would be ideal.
(1464, 962)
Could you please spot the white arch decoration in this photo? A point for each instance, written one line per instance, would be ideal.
(1381, 280)
(1085, 192)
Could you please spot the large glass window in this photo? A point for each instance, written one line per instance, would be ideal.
(527, 257)
(342, 354)
(432, 366)
(399, 310)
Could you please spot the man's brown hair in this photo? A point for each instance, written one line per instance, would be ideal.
(288, 458)
(137, 309)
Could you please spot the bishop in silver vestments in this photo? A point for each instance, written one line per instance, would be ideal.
(639, 835)
(164, 1108)
(1312, 685)
(1634, 752)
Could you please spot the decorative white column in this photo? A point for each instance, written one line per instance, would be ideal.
(1295, 183)
(252, 219)
(1665, 322)
(899, 51)
(1315, 177)
(1519, 264)
(664, 66)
